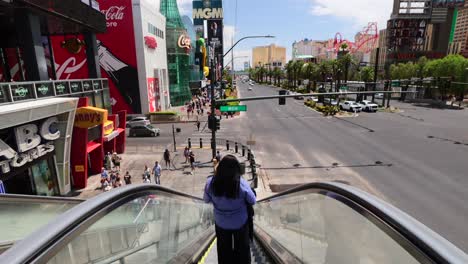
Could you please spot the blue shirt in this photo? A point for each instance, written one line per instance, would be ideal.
(230, 214)
(157, 170)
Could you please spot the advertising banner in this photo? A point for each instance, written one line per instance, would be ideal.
(154, 97)
(212, 11)
(117, 56)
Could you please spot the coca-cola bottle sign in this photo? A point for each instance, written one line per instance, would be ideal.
(184, 42)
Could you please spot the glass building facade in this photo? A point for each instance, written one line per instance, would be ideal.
(178, 58)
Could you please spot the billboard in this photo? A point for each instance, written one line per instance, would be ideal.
(448, 3)
(212, 12)
(406, 34)
(154, 97)
(117, 56)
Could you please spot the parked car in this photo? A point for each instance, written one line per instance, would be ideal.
(313, 98)
(298, 96)
(379, 95)
(350, 106)
(368, 106)
(250, 88)
(329, 101)
(144, 131)
(138, 121)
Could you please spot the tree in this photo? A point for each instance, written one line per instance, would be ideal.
(310, 71)
(277, 73)
(367, 74)
(290, 72)
(345, 62)
(324, 70)
(336, 71)
(297, 67)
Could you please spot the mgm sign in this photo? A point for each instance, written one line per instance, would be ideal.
(207, 13)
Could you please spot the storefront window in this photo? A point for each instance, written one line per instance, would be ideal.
(90, 99)
(107, 101)
(43, 179)
(98, 99)
(4, 93)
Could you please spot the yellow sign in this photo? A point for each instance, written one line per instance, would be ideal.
(79, 168)
(86, 117)
(108, 127)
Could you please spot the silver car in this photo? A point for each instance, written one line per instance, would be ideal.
(138, 121)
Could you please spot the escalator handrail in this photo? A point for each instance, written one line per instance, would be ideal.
(430, 243)
(38, 199)
(40, 241)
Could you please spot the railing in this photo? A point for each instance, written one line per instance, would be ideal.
(178, 226)
(336, 223)
(313, 223)
(13, 92)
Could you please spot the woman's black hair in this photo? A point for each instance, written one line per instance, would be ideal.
(226, 181)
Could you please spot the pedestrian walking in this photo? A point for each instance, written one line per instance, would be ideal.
(108, 161)
(186, 154)
(230, 195)
(127, 178)
(146, 172)
(192, 162)
(198, 125)
(167, 159)
(116, 160)
(157, 173)
(218, 156)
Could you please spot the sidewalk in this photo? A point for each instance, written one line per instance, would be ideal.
(178, 177)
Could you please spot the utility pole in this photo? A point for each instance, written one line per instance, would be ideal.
(376, 69)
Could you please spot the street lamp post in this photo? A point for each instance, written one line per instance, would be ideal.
(213, 100)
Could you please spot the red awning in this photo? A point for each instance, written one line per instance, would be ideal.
(92, 146)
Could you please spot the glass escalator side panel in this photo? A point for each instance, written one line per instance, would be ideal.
(22, 216)
(327, 228)
(149, 229)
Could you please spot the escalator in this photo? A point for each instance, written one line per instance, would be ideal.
(313, 223)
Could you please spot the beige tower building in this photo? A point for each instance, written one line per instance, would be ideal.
(269, 55)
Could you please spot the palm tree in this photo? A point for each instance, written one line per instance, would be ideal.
(289, 72)
(324, 70)
(345, 62)
(310, 72)
(277, 73)
(297, 67)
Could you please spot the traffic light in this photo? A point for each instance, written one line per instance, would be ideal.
(214, 123)
(218, 124)
(211, 122)
(282, 101)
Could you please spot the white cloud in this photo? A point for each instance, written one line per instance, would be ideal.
(185, 7)
(358, 12)
(240, 56)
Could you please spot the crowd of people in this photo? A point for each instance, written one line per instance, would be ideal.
(110, 173)
(197, 105)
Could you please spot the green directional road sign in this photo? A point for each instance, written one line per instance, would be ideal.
(233, 108)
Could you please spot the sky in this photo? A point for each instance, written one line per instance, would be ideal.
(293, 20)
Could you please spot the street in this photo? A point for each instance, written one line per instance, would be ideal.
(416, 160)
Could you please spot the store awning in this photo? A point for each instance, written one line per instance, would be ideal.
(114, 134)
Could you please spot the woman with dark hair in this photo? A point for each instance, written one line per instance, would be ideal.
(230, 195)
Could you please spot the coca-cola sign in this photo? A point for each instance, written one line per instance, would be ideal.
(114, 14)
(184, 42)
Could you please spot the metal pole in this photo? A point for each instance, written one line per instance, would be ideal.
(213, 101)
(376, 69)
(173, 137)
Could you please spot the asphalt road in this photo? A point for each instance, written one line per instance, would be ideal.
(416, 160)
